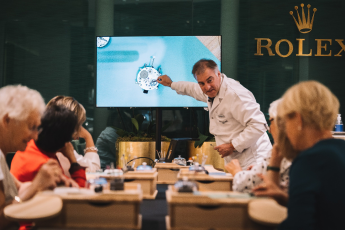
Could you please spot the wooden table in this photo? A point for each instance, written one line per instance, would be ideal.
(208, 182)
(147, 180)
(86, 209)
(167, 172)
(209, 210)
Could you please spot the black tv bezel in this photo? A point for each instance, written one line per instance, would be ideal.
(165, 107)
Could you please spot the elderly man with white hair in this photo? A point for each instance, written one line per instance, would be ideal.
(20, 117)
(278, 167)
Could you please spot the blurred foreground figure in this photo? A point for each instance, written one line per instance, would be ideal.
(306, 116)
(20, 117)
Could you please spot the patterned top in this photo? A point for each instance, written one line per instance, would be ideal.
(246, 180)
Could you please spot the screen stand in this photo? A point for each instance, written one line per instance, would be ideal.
(178, 146)
(158, 130)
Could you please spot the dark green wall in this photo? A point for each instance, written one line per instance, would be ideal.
(50, 46)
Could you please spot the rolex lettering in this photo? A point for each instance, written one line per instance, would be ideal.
(304, 22)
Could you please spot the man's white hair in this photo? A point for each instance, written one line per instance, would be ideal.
(19, 101)
(273, 110)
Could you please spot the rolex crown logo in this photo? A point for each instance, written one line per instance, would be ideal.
(305, 25)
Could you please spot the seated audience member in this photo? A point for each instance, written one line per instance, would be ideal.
(56, 129)
(315, 200)
(106, 141)
(20, 116)
(275, 165)
(90, 160)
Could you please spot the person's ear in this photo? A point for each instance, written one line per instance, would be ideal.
(6, 120)
(298, 121)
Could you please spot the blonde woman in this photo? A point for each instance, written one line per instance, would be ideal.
(90, 160)
(315, 200)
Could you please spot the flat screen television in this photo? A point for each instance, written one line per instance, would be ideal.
(127, 68)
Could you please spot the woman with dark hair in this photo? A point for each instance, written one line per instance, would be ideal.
(56, 130)
(90, 160)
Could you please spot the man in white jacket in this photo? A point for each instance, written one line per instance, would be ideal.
(235, 118)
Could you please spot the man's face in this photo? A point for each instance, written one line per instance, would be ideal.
(22, 131)
(209, 82)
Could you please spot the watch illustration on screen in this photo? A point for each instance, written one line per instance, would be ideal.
(102, 41)
(147, 77)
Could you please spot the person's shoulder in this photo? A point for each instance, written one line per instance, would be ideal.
(30, 155)
(231, 84)
(328, 145)
(333, 147)
(333, 142)
(108, 134)
(323, 152)
(234, 90)
(231, 87)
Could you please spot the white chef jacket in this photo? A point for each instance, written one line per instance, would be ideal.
(234, 117)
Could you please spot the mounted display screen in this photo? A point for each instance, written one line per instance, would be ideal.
(127, 69)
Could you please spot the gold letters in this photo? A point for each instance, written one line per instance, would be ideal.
(300, 48)
(259, 46)
(319, 47)
(340, 41)
(290, 47)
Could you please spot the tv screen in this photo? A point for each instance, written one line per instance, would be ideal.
(127, 69)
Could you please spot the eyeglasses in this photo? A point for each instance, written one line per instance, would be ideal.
(270, 120)
(36, 129)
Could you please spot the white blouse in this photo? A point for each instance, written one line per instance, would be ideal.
(90, 161)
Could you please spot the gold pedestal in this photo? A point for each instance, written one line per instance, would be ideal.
(208, 149)
(138, 149)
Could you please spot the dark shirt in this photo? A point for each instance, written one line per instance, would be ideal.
(106, 147)
(210, 99)
(317, 188)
